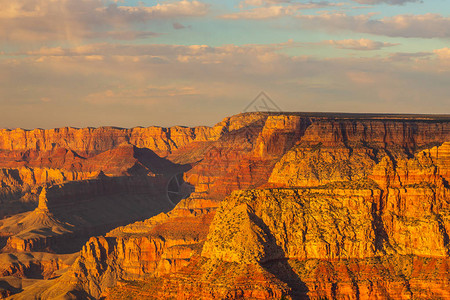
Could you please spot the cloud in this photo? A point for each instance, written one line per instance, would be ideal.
(444, 58)
(164, 53)
(391, 2)
(167, 10)
(361, 77)
(423, 26)
(412, 57)
(443, 53)
(261, 2)
(69, 20)
(361, 44)
(109, 79)
(177, 25)
(139, 96)
(274, 9)
(46, 99)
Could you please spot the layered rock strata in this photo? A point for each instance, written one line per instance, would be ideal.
(348, 206)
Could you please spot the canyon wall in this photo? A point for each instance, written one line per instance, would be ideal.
(88, 141)
(289, 205)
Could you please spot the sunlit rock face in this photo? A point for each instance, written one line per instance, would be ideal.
(89, 141)
(286, 205)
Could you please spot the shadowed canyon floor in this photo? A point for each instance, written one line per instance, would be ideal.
(276, 206)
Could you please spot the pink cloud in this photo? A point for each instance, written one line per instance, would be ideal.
(391, 2)
(74, 20)
(274, 9)
(424, 26)
(168, 10)
(104, 81)
(361, 44)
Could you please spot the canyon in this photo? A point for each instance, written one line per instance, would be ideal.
(260, 206)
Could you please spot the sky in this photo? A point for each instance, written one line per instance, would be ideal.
(133, 63)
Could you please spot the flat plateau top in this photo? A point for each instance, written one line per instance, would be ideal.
(431, 118)
(365, 116)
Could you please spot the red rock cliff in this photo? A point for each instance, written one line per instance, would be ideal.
(359, 211)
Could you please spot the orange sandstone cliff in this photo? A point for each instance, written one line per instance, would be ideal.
(285, 205)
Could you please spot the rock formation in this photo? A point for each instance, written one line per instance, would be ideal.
(84, 208)
(286, 205)
(89, 141)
